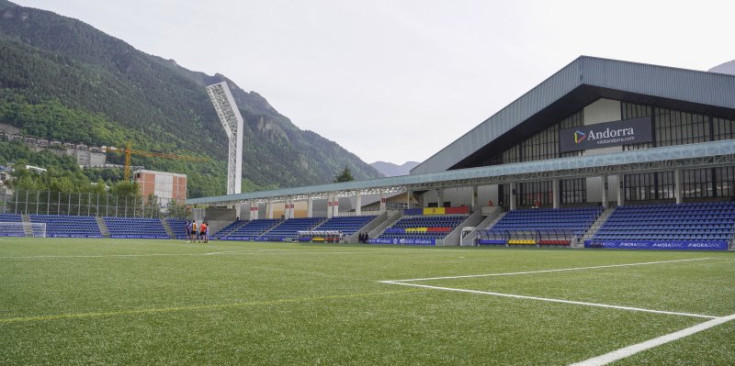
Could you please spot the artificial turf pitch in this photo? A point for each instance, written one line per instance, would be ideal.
(147, 302)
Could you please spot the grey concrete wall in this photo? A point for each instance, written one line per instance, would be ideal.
(602, 110)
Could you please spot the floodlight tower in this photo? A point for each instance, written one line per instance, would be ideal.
(232, 122)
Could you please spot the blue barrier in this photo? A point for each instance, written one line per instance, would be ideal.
(657, 245)
(492, 242)
(413, 211)
(240, 238)
(397, 241)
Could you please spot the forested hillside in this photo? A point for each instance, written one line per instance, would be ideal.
(62, 79)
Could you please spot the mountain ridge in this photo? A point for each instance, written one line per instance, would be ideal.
(59, 64)
(391, 170)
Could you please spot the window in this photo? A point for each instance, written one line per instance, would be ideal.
(573, 190)
(697, 183)
(630, 111)
(723, 129)
(531, 192)
(677, 128)
(541, 146)
(725, 181)
(639, 187)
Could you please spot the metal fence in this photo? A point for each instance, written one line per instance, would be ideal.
(80, 204)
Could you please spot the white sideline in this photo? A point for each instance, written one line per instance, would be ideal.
(608, 357)
(232, 252)
(524, 297)
(553, 270)
(651, 343)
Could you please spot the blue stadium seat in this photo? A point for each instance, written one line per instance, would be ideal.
(670, 222)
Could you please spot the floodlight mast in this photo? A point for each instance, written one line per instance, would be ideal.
(232, 122)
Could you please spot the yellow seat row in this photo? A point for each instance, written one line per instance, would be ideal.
(434, 211)
(522, 241)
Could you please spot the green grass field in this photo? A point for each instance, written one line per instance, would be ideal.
(147, 302)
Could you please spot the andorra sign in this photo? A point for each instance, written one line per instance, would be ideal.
(625, 132)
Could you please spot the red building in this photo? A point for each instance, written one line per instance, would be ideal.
(166, 186)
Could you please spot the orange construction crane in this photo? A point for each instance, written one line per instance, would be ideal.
(129, 151)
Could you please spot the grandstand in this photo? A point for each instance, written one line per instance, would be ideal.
(541, 226)
(695, 225)
(178, 227)
(422, 226)
(62, 226)
(246, 230)
(11, 230)
(228, 229)
(135, 228)
(348, 225)
(596, 135)
(288, 229)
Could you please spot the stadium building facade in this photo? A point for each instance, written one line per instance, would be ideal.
(672, 107)
(597, 132)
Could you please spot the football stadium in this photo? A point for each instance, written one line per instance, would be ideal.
(589, 222)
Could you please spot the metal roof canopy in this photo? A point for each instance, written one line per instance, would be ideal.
(583, 81)
(690, 156)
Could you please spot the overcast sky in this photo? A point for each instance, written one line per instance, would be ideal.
(397, 80)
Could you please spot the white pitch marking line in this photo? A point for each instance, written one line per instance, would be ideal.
(232, 252)
(552, 270)
(651, 343)
(524, 297)
(106, 256)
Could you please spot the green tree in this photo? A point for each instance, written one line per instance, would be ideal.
(176, 209)
(123, 189)
(65, 185)
(345, 176)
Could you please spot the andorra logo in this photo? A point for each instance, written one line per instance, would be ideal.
(579, 136)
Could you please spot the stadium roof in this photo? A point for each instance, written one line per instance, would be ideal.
(700, 155)
(578, 84)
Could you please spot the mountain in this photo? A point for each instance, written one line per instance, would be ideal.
(65, 80)
(726, 68)
(392, 170)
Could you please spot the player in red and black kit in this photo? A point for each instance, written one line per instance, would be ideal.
(204, 232)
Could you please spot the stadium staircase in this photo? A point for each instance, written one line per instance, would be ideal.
(170, 232)
(454, 237)
(670, 226)
(103, 227)
(429, 226)
(594, 228)
(287, 230)
(250, 230)
(495, 214)
(177, 228)
(227, 230)
(543, 226)
(348, 225)
(377, 221)
(27, 229)
(339, 229)
(391, 218)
